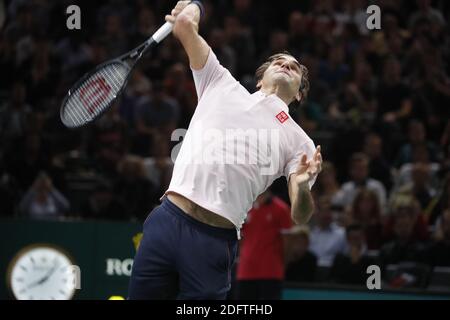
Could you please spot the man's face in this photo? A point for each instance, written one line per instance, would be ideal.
(359, 171)
(355, 238)
(404, 223)
(284, 72)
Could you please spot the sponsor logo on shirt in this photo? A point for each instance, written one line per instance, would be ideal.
(282, 116)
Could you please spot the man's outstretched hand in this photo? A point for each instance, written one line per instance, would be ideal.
(308, 169)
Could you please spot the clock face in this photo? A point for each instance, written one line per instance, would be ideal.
(42, 272)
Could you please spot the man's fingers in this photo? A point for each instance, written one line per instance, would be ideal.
(303, 160)
(170, 18)
(317, 153)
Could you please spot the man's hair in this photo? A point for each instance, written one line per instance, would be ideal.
(353, 227)
(359, 157)
(304, 84)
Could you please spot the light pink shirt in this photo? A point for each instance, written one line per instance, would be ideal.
(236, 145)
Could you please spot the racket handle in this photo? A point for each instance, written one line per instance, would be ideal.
(162, 32)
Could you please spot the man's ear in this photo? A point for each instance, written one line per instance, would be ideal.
(298, 96)
(259, 84)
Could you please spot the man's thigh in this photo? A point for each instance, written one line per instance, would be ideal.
(154, 275)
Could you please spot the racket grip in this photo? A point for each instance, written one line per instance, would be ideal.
(162, 32)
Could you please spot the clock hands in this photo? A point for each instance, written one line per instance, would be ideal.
(44, 278)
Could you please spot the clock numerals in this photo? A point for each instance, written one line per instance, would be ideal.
(23, 268)
(19, 279)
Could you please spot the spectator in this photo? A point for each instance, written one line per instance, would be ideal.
(301, 262)
(350, 266)
(438, 253)
(365, 212)
(406, 245)
(379, 167)
(13, 119)
(359, 175)
(260, 270)
(158, 115)
(43, 201)
(134, 189)
(327, 239)
(103, 204)
(416, 137)
(327, 185)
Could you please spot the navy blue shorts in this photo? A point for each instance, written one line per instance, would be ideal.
(182, 258)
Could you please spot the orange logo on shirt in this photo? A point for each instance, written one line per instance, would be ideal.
(282, 116)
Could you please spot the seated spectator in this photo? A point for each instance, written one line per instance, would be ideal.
(420, 185)
(103, 204)
(157, 114)
(406, 201)
(134, 188)
(359, 174)
(326, 184)
(416, 136)
(301, 262)
(406, 245)
(378, 165)
(365, 212)
(43, 201)
(350, 266)
(108, 142)
(327, 239)
(420, 163)
(438, 254)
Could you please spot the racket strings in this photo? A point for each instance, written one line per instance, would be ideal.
(95, 94)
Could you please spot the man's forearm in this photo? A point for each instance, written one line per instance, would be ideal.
(186, 30)
(302, 205)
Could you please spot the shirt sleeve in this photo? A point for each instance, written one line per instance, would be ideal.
(294, 159)
(209, 75)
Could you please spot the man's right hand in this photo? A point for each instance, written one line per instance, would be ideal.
(186, 17)
(176, 11)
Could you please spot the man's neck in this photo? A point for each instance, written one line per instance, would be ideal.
(280, 92)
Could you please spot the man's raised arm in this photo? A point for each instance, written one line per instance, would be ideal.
(186, 17)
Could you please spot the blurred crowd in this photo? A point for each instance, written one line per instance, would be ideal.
(378, 105)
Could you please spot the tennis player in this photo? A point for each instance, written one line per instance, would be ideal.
(190, 241)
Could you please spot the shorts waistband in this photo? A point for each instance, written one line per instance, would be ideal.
(227, 234)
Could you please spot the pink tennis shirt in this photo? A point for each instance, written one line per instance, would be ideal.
(236, 145)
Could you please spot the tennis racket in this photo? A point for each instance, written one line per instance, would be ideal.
(95, 92)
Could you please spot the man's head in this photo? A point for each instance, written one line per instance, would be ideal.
(284, 71)
(416, 132)
(355, 235)
(359, 167)
(405, 210)
(373, 145)
(324, 213)
(299, 240)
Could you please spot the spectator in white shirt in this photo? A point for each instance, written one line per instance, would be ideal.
(327, 238)
(359, 174)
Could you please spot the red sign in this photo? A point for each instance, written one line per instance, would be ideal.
(94, 93)
(282, 116)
